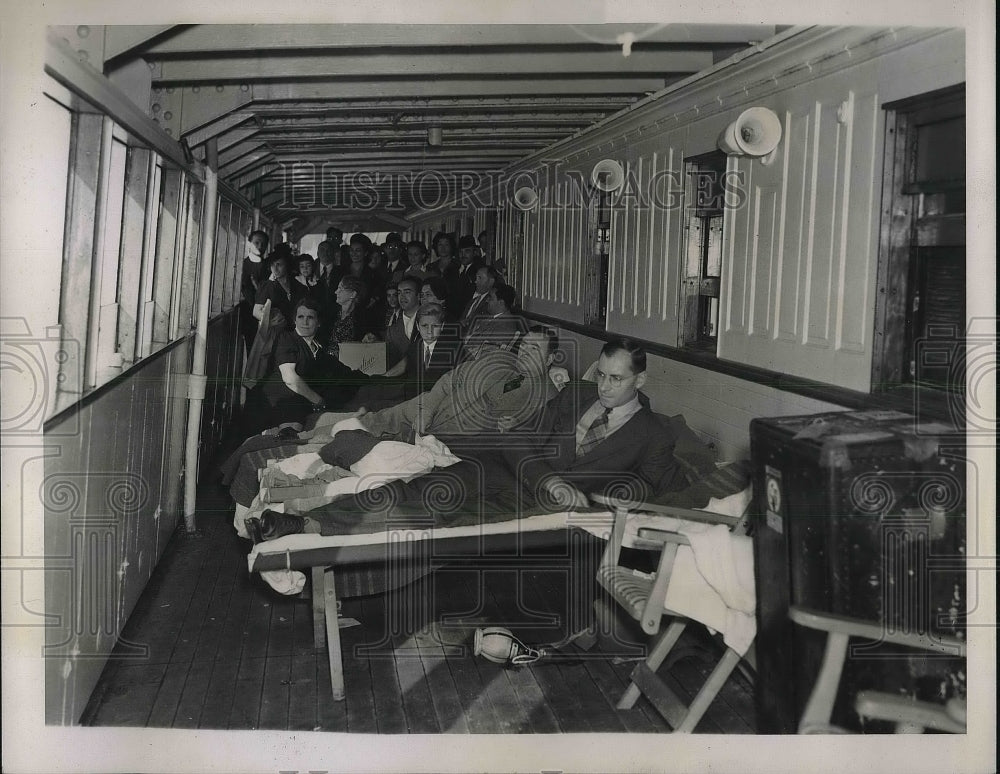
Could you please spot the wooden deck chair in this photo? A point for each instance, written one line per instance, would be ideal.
(909, 715)
(643, 599)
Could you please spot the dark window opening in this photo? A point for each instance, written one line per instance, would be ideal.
(700, 284)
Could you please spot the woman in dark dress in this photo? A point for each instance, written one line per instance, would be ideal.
(281, 290)
(350, 324)
(302, 377)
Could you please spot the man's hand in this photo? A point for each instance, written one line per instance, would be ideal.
(565, 494)
(369, 338)
(505, 423)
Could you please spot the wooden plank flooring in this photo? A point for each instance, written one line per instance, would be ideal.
(226, 651)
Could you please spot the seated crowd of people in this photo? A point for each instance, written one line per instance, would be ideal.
(431, 315)
(477, 379)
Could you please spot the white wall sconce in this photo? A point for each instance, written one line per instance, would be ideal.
(756, 133)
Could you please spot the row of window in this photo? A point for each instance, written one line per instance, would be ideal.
(132, 255)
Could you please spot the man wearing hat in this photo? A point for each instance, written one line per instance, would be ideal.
(469, 264)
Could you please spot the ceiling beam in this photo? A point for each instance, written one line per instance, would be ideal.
(254, 67)
(516, 88)
(268, 37)
(120, 39)
(217, 126)
(293, 122)
(571, 104)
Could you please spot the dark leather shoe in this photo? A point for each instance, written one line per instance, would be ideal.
(274, 525)
(252, 525)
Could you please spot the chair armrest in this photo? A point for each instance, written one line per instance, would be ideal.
(649, 538)
(906, 712)
(852, 627)
(687, 514)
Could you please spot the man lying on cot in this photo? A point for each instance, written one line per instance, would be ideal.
(592, 437)
(500, 392)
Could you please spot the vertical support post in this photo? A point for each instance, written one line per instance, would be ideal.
(196, 388)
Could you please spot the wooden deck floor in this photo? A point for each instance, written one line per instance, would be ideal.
(227, 652)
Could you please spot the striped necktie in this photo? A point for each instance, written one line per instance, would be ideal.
(427, 356)
(597, 432)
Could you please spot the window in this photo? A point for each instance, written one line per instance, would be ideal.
(703, 259)
(920, 312)
(599, 263)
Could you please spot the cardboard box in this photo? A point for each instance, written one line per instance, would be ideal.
(367, 358)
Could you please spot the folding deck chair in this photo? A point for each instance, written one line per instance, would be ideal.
(643, 597)
(908, 715)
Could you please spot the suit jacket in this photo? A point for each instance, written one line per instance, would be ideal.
(465, 283)
(498, 332)
(421, 377)
(397, 342)
(477, 307)
(637, 460)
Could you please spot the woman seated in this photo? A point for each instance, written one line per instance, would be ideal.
(281, 290)
(302, 377)
(350, 323)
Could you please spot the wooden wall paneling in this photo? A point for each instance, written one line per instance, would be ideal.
(827, 200)
(653, 251)
(640, 253)
(736, 238)
(169, 509)
(765, 255)
(134, 224)
(860, 236)
(795, 229)
(670, 196)
(577, 234)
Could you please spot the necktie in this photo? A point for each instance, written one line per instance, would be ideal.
(427, 356)
(395, 316)
(597, 432)
(313, 347)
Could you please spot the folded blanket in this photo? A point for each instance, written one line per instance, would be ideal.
(712, 582)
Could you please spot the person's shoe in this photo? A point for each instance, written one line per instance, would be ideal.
(252, 525)
(274, 525)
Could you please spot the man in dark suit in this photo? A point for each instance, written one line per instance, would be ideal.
(468, 264)
(498, 329)
(486, 280)
(599, 438)
(402, 329)
(395, 258)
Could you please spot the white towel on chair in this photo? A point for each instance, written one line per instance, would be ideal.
(712, 582)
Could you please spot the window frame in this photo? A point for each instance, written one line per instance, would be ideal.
(898, 348)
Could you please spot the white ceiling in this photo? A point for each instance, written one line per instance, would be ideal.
(295, 110)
